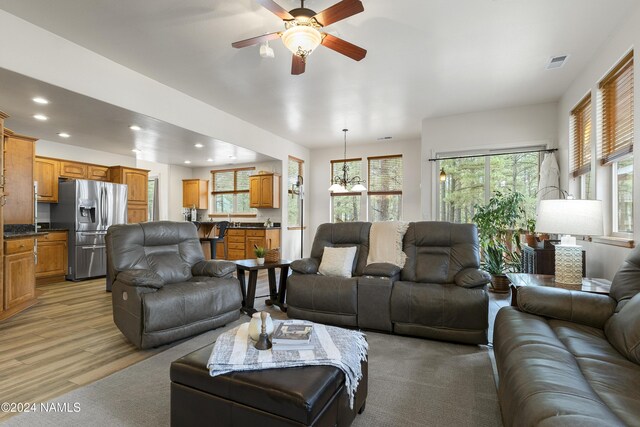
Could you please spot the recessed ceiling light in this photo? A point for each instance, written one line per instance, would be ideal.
(209, 160)
(187, 161)
(40, 100)
(63, 135)
(135, 127)
(137, 151)
(232, 157)
(198, 145)
(40, 117)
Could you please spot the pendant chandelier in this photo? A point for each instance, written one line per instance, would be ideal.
(339, 184)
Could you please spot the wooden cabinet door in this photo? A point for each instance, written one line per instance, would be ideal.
(251, 241)
(19, 154)
(73, 170)
(19, 279)
(52, 255)
(138, 183)
(254, 191)
(136, 213)
(190, 193)
(266, 191)
(98, 173)
(46, 174)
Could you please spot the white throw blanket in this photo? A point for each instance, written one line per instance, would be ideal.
(385, 242)
(342, 348)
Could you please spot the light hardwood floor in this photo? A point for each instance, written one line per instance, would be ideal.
(68, 339)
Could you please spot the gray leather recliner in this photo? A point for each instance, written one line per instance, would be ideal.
(572, 358)
(440, 293)
(163, 289)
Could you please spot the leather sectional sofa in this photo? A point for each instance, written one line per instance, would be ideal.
(440, 293)
(163, 289)
(572, 358)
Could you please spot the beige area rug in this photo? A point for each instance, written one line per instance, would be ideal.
(412, 382)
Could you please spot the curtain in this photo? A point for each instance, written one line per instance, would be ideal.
(549, 183)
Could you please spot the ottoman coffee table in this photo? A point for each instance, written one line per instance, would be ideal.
(301, 396)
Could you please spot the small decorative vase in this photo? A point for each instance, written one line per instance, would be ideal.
(260, 261)
(255, 325)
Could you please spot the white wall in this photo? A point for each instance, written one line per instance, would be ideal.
(80, 154)
(176, 175)
(503, 128)
(319, 173)
(603, 260)
(42, 55)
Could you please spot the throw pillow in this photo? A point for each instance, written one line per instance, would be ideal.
(385, 243)
(337, 262)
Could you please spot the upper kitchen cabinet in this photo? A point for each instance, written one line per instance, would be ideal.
(73, 170)
(97, 172)
(137, 181)
(19, 155)
(264, 191)
(195, 193)
(46, 173)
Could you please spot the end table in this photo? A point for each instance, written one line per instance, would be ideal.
(276, 294)
(518, 280)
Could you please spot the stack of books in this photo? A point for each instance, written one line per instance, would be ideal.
(292, 335)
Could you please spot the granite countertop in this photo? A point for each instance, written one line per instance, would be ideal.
(17, 231)
(241, 226)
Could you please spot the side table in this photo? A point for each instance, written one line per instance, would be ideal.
(276, 294)
(518, 280)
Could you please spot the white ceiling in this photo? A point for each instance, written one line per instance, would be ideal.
(426, 58)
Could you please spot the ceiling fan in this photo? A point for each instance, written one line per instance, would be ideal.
(302, 31)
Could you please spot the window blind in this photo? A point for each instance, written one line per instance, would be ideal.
(616, 91)
(581, 137)
(385, 174)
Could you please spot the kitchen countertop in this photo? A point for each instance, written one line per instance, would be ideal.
(238, 227)
(26, 233)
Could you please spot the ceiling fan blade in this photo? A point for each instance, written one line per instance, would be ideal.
(275, 8)
(339, 11)
(256, 40)
(297, 65)
(344, 47)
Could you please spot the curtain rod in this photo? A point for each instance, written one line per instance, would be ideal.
(471, 156)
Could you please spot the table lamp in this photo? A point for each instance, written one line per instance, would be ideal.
(567, 217)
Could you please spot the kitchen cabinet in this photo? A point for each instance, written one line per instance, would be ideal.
(97, 172)
(46, 173)
(236, 242)
(19, 156)
(195, 193)
(19, 290)
(266, 238)
(3, 116)
(264, 191)
(73, 170)
(137, 181)
(52, 263)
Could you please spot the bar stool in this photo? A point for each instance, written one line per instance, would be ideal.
(222, 231)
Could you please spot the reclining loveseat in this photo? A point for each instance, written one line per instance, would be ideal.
(163, 289)
(439, 293)
(568, 357)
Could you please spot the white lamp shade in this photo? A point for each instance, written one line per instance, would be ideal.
(337, 188)
(566, 216)
(301, 38)
(359, 188)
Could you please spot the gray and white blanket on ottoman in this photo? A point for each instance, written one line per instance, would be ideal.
(342, 348)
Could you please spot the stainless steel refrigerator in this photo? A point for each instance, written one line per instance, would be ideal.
(87, 209)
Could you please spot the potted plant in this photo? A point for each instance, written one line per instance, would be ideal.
(260, 253)
(530, 233)
(498, 222)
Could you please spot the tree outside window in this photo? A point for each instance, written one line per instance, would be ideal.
(345, 207)
(385, 188)
(295, 168)
(231, 191)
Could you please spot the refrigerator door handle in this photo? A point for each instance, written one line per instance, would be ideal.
(90, 248)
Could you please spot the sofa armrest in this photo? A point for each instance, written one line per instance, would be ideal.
(213, 268)
(381, 269)
(563, 304)
(472, 278)
(305, 266)
(140, 277)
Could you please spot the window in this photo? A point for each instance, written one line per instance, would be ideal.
(385, 188)
(471, 180)
(294, 214)
(231, 191)
(616, 147)
(345, 207)
(152, 199)
(581, 145)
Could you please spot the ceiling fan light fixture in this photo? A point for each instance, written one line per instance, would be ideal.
(301, 40)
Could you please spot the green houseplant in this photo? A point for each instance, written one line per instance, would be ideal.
(498, 222)
(260, 253)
